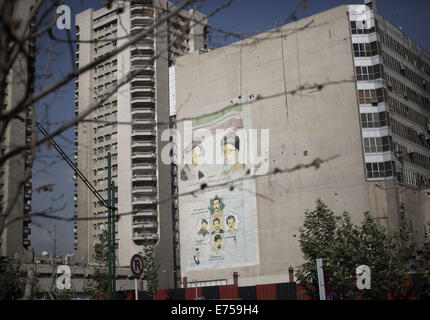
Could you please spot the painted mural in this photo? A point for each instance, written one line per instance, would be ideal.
(218, 226)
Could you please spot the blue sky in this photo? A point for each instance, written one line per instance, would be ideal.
(242, 16)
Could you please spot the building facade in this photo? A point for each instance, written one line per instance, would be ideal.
(344, 85)
(15, 174)
(129, 125)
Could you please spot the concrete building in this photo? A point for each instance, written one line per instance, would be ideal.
(125, 125)
(15, 174)
(344, 83)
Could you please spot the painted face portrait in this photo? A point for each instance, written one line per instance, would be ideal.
(203, 228)
(196, 155)
(216, 225)
(231, 221)
(218, 243)
(216, 206)
(230, 154)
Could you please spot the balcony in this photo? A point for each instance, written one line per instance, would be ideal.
(142, 61)
(142, 91)
(144, 177)
(146, 213)
(146, 189)
(143, 132)
(143, 100)
(144, 236)
(145, 79)
(143, 111)
(143, 155)
(139, 27)
(144, 224)
(150, 122)
(141, 20)
(147, 144)
(147, 69)
(143, 166)
(143, 47)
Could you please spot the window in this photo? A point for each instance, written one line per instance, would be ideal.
(374, 120)
(368, 72)
(365, 49)
(379, 169)
(371, 96)
(376, 144)
(359, 27)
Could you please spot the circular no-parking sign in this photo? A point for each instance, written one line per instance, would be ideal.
(136, 265)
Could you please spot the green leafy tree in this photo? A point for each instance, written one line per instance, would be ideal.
(150, 267)
(65, 294)
(98, 285)
(423, 265)
(317, 236)
(12, 279)
(344, 246)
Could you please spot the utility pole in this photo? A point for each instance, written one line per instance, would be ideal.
(112, 230)
(109, 191)
(54, 263)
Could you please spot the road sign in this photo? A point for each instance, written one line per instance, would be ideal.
(136, 265)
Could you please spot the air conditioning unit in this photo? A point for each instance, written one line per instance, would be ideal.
(399, 153)
(389, 86)
(428, 125)
(405, 95)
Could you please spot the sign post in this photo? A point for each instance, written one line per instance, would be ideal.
(136, 266)
(321, 279)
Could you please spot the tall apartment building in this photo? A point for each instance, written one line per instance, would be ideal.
(15, 174)
(129, 126)
(344, 83)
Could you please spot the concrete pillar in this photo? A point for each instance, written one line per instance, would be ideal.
(236, 278)
(291, 274)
